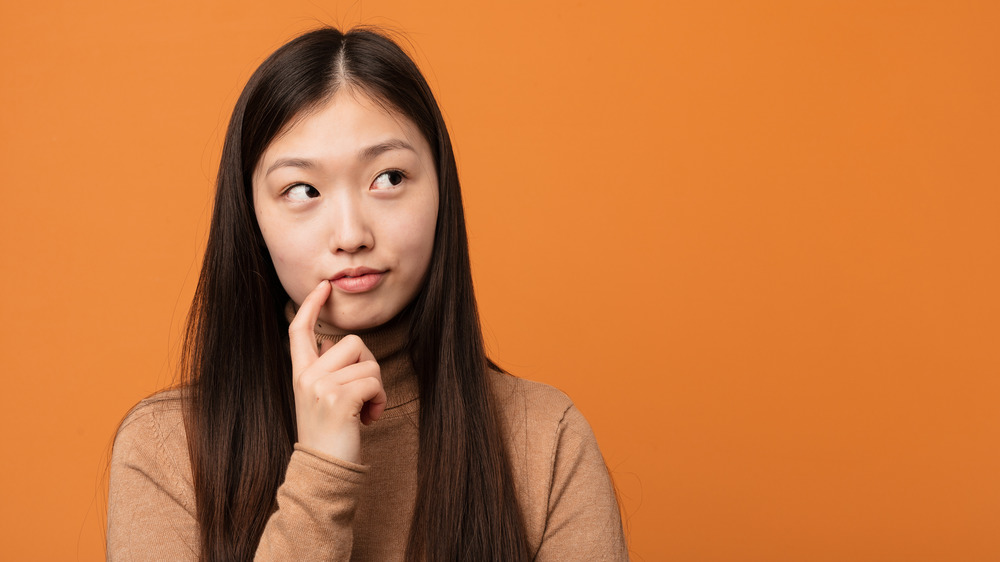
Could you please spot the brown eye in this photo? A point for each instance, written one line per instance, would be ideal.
(388, 180)
(301, 192)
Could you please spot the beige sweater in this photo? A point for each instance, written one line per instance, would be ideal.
(329, 509)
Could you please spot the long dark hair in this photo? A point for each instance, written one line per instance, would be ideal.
(239, 406)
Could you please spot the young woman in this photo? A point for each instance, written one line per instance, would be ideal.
(338, 403)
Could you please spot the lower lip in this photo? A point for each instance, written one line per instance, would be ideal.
(358, 284)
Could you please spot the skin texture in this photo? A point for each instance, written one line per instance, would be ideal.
(347, 185)
(331, 207)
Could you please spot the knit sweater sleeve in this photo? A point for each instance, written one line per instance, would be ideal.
(316, 506)
(151, 504)
(583, 521)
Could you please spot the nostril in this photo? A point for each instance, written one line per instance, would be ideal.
(353, 248)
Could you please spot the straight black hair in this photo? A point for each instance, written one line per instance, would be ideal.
(239, 409)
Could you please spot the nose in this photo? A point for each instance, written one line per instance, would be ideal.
(350, 227)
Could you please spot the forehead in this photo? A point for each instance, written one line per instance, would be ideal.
(340, 127)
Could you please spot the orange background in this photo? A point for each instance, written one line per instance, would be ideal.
(757, 243)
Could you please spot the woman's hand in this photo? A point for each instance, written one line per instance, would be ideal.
(336, 389)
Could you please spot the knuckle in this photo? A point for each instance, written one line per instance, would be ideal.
(322, 386)
(301, 386)
(371, 385)
(372, 367)
(330, 399)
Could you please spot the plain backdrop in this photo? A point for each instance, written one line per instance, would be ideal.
(756, 242)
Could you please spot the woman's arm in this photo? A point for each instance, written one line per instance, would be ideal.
(583, 521)
(151, 513)
(316, 506)
(151, 504)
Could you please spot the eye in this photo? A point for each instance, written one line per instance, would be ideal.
(388, 179)
(301, 192)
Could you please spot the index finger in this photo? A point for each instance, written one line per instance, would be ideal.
(301, 337)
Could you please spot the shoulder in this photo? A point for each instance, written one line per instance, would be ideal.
(151, 502)
(162, 410)
(151, 437)
(537, 416)
(159, 405)
(536, 402)
(537, 412)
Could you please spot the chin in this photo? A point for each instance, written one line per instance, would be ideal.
(358, 323)
(357, 326)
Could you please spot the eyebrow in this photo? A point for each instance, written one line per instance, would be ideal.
(289, 162)
(367, 154)
(376, 150)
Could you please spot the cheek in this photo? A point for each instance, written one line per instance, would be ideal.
(291, 253)
(289, 250)
(417, 235)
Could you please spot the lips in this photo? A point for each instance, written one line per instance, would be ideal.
(357, 279)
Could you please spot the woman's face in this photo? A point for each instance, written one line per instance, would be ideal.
(349, 192)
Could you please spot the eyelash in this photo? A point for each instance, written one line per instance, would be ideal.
(402, 177)
(401, 173)
(288, 191)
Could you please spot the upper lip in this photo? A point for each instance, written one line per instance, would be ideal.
(354, 272)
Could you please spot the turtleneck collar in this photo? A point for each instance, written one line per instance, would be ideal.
(388, 344)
